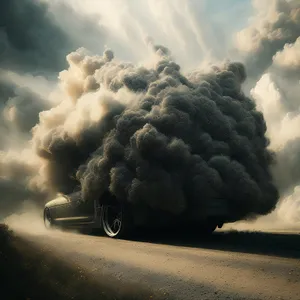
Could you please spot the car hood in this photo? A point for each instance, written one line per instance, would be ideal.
(60, 200)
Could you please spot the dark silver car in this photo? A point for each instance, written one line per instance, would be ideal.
(116, 219)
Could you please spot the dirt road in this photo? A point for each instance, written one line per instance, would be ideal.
(228, 265)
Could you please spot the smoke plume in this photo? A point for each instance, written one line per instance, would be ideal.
(277, 96)
(28, 37)
(151, 133)
(36, 36)
(33, 47)
(276, 24)
(157, 138)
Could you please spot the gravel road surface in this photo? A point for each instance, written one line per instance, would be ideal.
(228, 265)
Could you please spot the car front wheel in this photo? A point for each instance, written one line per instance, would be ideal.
(48, 219)
(115, 221)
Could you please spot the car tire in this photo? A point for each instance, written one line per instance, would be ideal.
(48, 222)
(118, 227)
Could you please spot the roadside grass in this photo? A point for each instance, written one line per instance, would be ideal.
(29, 273)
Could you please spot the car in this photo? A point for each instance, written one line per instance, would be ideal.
(70, 211)
(114, 218)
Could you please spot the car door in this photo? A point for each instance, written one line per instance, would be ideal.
(81, 211)
(59, 207)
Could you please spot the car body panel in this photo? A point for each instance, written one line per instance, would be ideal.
(81, 208)
(71, 210)
(60, 200)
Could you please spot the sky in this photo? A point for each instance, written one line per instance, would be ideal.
(207, 25)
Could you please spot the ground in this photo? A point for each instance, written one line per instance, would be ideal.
(28, 272)
(228, 265)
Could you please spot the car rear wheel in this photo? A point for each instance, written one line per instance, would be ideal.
(115, 221)
(48, 219)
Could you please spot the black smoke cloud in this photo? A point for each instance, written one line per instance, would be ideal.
(166, 141)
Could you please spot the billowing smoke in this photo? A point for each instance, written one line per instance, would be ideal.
(276, 24)
(28, 38)
(157, 138)
(277, 96)
(151, 133)
(17, 171)
(19, 110)
(288, 59)
(282, 89)
(35, 36)
(33, 47)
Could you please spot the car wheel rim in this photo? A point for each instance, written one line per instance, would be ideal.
(112, 220)
(47, 219)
